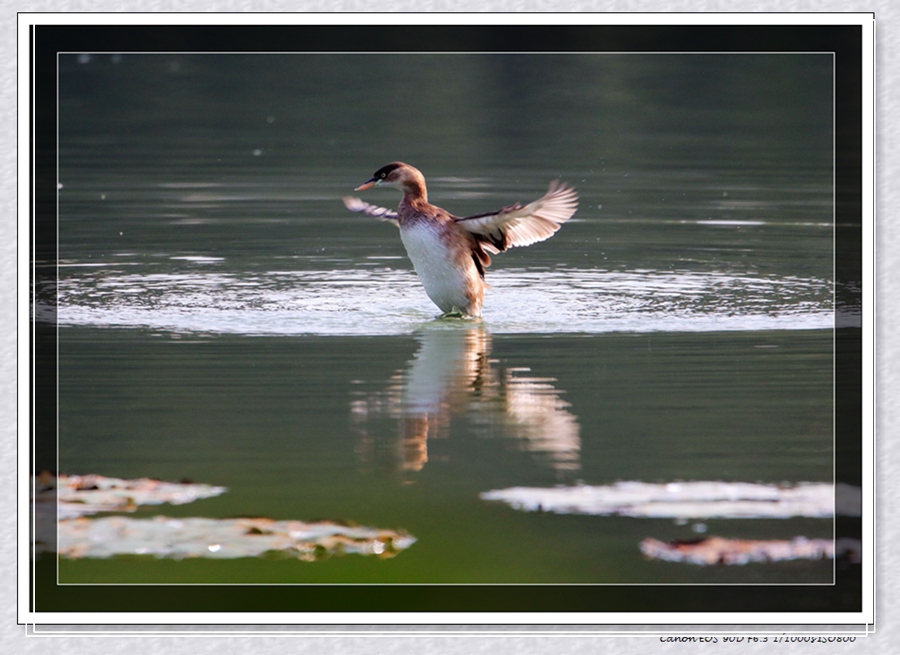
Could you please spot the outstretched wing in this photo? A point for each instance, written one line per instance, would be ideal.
(521, 226)
(357, 205)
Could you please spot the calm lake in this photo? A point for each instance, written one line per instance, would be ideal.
(222, 318)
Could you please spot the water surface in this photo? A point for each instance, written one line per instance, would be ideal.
(222, 318)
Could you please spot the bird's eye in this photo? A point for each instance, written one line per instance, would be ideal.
(383, 175)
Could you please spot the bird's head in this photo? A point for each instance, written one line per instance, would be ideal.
(396, 174)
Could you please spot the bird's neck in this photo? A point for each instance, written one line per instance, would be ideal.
(414, 192)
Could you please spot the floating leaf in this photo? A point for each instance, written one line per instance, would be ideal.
(687, 500)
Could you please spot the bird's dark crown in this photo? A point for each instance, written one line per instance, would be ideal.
(384, 171)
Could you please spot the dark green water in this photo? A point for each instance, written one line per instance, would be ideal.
(222, 317)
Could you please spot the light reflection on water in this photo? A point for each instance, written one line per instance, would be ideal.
(388, 301)
(452, 375)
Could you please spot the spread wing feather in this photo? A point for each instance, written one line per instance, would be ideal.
(519, 225)
(382, 213)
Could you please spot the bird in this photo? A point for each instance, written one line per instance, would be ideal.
(450, 253)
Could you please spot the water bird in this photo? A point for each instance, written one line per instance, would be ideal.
(450, 252)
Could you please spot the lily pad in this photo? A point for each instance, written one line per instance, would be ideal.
(687, 500)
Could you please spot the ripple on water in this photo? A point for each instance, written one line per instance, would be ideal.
(385, 301)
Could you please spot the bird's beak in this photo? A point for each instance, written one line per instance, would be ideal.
(367, 185)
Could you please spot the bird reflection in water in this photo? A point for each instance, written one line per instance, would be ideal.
(452, 377)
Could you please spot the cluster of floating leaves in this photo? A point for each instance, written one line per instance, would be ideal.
(717, 550)
(705, 500)
(69, 501)
(82, 495)
(685, 500)
(180, 538)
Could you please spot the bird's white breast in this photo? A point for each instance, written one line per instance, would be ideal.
(436, 265)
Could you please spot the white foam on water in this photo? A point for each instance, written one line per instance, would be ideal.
(388, 301)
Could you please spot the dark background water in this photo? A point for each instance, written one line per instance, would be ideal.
(224, 319)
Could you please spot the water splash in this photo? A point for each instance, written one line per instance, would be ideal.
(379, 300)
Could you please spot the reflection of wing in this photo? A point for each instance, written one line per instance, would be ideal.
(357, 205)
(521, 226)
(538, 416)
